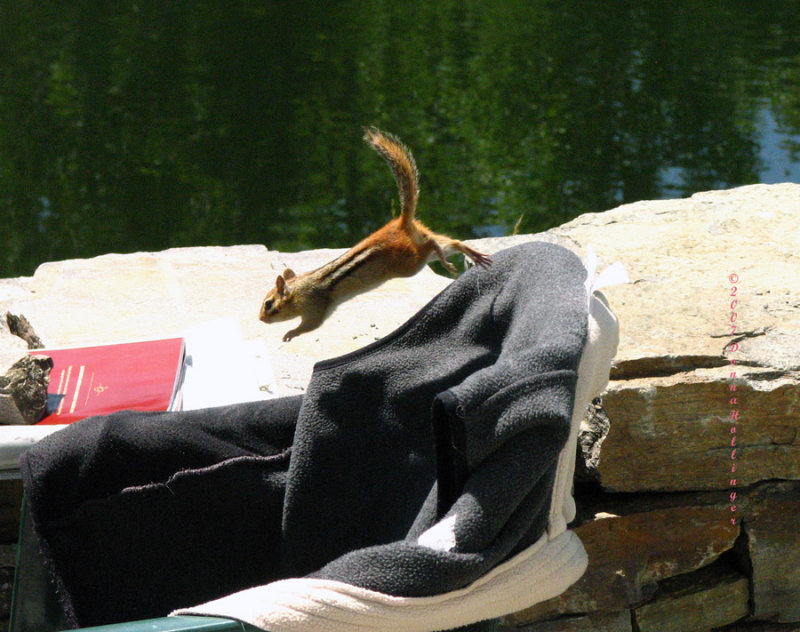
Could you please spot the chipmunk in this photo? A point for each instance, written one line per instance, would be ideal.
(400, 249)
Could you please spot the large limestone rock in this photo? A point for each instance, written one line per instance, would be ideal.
(680, 255)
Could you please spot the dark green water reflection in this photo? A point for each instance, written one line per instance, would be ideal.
(141, 126)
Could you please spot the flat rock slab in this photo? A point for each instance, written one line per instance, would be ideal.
(145, 295)
(680, 255)
(674, 433)
(696, 603)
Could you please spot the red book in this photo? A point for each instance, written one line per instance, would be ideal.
(88, 381)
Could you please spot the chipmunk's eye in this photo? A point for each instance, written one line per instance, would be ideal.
(268, 305)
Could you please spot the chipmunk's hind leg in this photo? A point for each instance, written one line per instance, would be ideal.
(477, 258)
(445, 246)
(442, 256)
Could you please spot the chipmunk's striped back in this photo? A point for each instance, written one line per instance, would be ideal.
(344, 266)
(403, 167)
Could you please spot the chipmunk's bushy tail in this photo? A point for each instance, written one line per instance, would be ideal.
(403, 167)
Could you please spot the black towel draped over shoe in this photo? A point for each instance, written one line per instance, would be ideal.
(457, 418)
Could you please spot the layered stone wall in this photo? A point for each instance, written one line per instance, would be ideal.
(690, 500)
(677, 540)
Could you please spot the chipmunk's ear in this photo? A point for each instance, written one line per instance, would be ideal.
(288, 274)
(280, 285)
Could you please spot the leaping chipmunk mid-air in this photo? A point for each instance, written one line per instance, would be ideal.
(400, 249)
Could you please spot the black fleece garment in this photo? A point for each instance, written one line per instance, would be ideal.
(461, 413)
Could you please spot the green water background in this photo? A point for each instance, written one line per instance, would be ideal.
(130, 126)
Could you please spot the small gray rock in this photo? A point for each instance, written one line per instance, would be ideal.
(23, 390)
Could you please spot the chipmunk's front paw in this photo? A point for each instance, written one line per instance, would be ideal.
(289, 335)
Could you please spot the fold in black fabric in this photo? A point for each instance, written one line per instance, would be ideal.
(456, 419)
